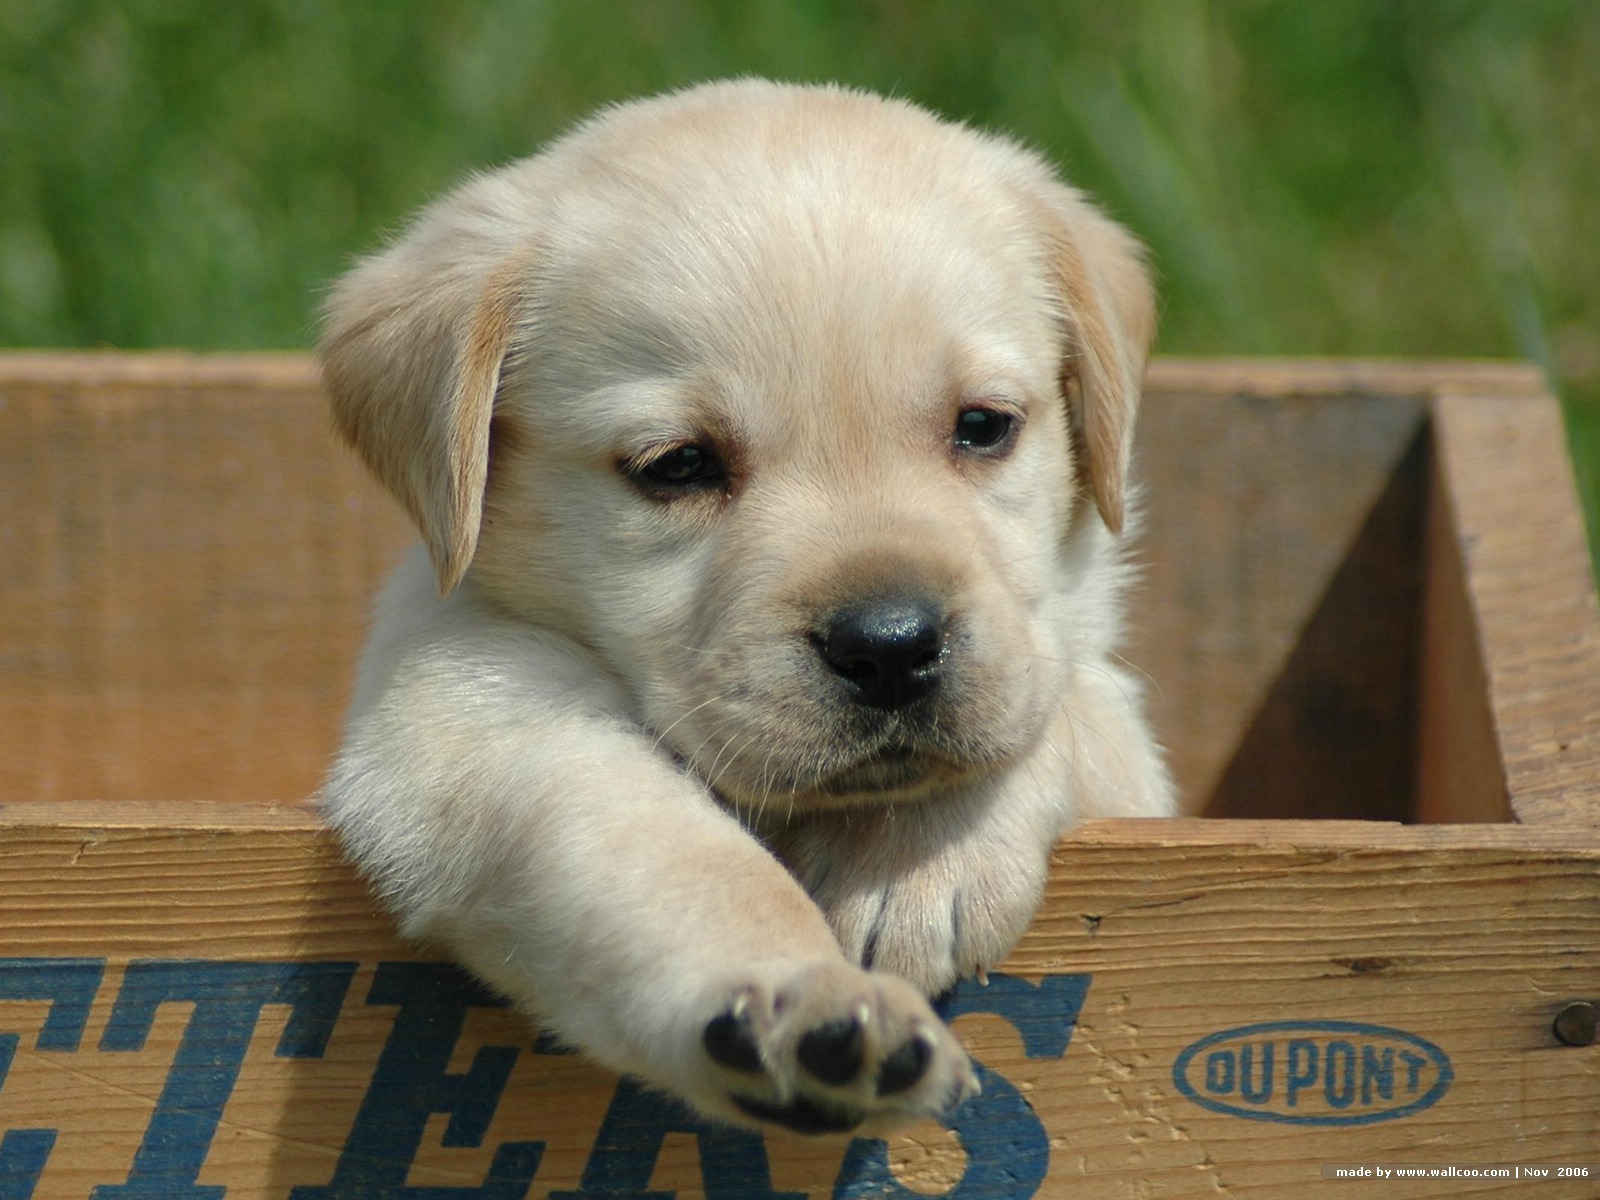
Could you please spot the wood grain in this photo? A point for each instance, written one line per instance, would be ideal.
(1460, 775)
(193, 555)
(1261, 375)
(1469, 938)
(189, 565)
(1287, 378)
(1278, 604)
(190, 556)
(1507, 479)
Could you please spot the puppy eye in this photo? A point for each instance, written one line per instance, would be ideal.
(683, 467)
(983, 428)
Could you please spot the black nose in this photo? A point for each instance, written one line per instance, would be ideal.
(888, 649)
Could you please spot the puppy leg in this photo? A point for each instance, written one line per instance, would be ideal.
(932, 892)
(494, 788)
(938, 891)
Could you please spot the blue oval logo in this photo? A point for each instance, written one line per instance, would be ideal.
(1313, 1072)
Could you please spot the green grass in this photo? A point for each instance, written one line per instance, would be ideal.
(1377, 177)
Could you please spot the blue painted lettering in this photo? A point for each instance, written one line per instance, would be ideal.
(733, 1162)
(1008, 1149)
(1414, 1064)
(1329, 1072)
(1220, 1071)
(228, 998)
(23, 1154)
(1339, 1076)
(1006, 1145)
(70, 985)
(1377, 1072)
(412, 1082)
(1303, 1055)
(1255, 1092)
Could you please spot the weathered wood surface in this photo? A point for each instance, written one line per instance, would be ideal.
(1277, 616)
(190, 560)
(1260, 376)
(1288, 378)
(190, 557)
(1468, 938)
(1507, 481)
(1460, 775)
(193, 554)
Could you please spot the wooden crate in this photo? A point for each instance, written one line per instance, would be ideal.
(1367, 597)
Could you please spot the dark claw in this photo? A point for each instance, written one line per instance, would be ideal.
(800, 1115)
(833, 1052)
(903, 1067)
(730, 1043)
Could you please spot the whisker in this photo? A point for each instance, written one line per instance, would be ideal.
(714, 775)
(1138, 670)
(660, 737)
(691, 649)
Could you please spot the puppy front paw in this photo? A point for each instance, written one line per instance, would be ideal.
(833, 1049)
(933, 895)
(947, 917)
(934, 934)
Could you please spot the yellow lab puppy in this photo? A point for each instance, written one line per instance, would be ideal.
(769, 447)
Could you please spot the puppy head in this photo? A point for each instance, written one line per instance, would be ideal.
(778, 400)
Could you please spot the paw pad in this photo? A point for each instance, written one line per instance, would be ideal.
(831, 1049)
(833, 1052)
(731, 1043)
(904, 1066)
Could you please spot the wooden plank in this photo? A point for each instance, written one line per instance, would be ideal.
(1295, 377)
(1259, 376)
(1507, 478)
(1169, 932)
(193, 629)
(179, 641)
(159, 370)
(1334, 735)
(1460, 776)
(1261, 932)
(1253, 507)
(189, 566)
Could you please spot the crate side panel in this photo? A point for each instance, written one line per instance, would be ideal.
(1252, 505)
(1334, 736)
(188, 572)
(1519, 532)
(1468, 950)
(1148, 946)
(1460, 776)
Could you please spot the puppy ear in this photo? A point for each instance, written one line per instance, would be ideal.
(412, 349)
(1098, 272)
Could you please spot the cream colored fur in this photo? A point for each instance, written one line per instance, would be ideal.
(592, 749)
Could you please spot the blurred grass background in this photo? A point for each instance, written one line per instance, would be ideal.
(1343, 177)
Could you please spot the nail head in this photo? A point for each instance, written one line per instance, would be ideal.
(1578, 1023)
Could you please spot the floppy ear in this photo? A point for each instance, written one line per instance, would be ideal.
(412, 348)
(1098, 272)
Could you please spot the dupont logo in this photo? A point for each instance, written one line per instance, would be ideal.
(1314, 1072)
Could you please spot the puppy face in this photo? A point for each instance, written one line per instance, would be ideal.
(761, 395)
